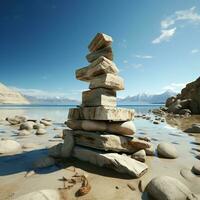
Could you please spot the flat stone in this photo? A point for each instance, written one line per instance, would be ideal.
(120, 128)
(99, 97)
(106, 52)
(101, 113)
(117, 162)
(100, 66)
(108, 142)
(109, 81)
(100, 41)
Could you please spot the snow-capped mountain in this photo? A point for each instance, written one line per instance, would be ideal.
(144, 98)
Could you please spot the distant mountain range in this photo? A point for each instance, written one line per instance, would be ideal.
(146, 99)
(10, 96)
(51, 100)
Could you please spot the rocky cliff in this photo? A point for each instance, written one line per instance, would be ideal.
(188, 101)
(8, 96)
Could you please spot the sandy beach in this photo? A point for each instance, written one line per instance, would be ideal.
(18, 177)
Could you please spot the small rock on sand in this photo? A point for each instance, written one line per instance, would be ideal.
(45, 122)
(41, 131)
(9, 146)
(168, 188)
(167, 150)
(38, 126)
(27, 125)
(139, 155)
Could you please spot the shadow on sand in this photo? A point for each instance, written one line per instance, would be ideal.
(23, 162)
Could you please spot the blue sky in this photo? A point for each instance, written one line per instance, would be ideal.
(42, 42)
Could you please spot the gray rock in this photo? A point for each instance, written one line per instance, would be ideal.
(196, 168)
(98, 67)
(47, 194)
(168, 188)
(55, 151)
(38, 126)
(167, 150)
(100, 41)
(16, 120)
(120, 163)
(27, 125)
(9, 146)
(109, 81)
(194, 129)
(184, 111)
(106, 52)
(139, 155)
(68, 145)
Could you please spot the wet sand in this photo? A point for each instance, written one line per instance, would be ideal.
(105, 183)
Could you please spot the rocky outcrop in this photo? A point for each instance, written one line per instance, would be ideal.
(188, 101)
(8, 96)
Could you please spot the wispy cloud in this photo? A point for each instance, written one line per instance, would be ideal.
(188, 15)
(123, 43)
(175, 87)
(193, 51)
(144, 56)
(134, 66)
(165, 35)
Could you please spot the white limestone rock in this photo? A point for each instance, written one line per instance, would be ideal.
(100, 66)
(101, 113)
(107, 142)
(99, 97)
(109, 81)
(117, 162)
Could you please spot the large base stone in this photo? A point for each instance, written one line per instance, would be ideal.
(100, 66)
(106, 52)
(101, 113)
(109, 81)
(99, 97)
(107, 142)
(120, 163)
(101, 40)
(121, 128)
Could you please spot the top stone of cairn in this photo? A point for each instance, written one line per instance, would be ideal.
(100, 41)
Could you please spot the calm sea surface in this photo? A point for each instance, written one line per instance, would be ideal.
(57, 113)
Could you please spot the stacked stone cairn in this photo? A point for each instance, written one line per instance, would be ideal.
(102, 132)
